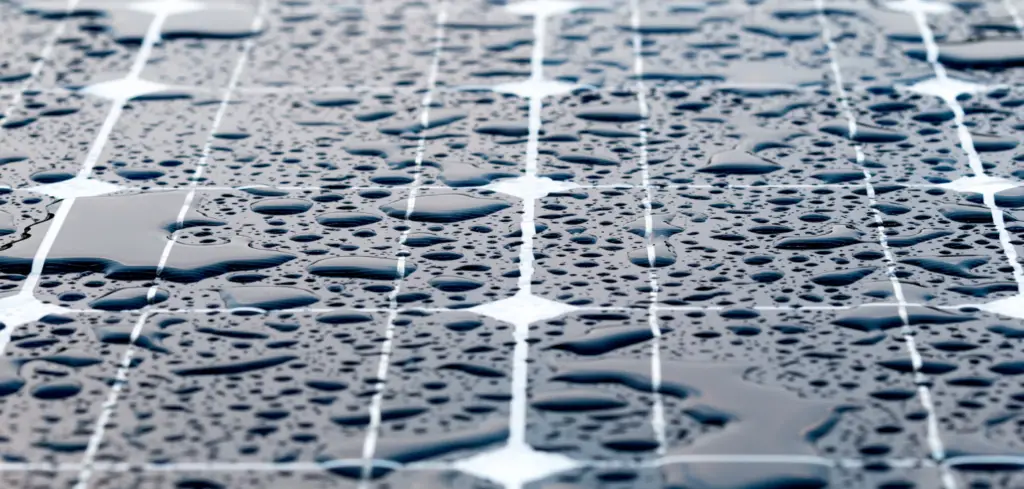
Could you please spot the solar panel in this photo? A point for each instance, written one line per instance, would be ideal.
(539, 243)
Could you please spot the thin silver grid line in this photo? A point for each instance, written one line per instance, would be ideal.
(204, 159)
(739, 459)
(935, 444)
(121, 375)
(95, 151)
(659, 308)
(312, 90)
(399, 90)
(44, 56)
(658, 407)
(377, 401)
(108, 406)
(608, 186)
(289, 467)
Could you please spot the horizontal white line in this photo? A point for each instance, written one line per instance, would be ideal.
(411, 90)
(355, 89)
(315, 310)
(796, 459)
(610, 186)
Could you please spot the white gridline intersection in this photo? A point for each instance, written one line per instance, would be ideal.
(555, 87)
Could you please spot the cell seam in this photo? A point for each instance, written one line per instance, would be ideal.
(934, 439)
(377, 401)
(658, 407)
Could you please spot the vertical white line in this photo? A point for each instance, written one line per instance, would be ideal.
(44, 56)
(935, 444)
(521, 331)
(658, 414)
(204, 158)
(377, 401)
(99, 431)
(1005, 240)
(528, 229)
(536, 105)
